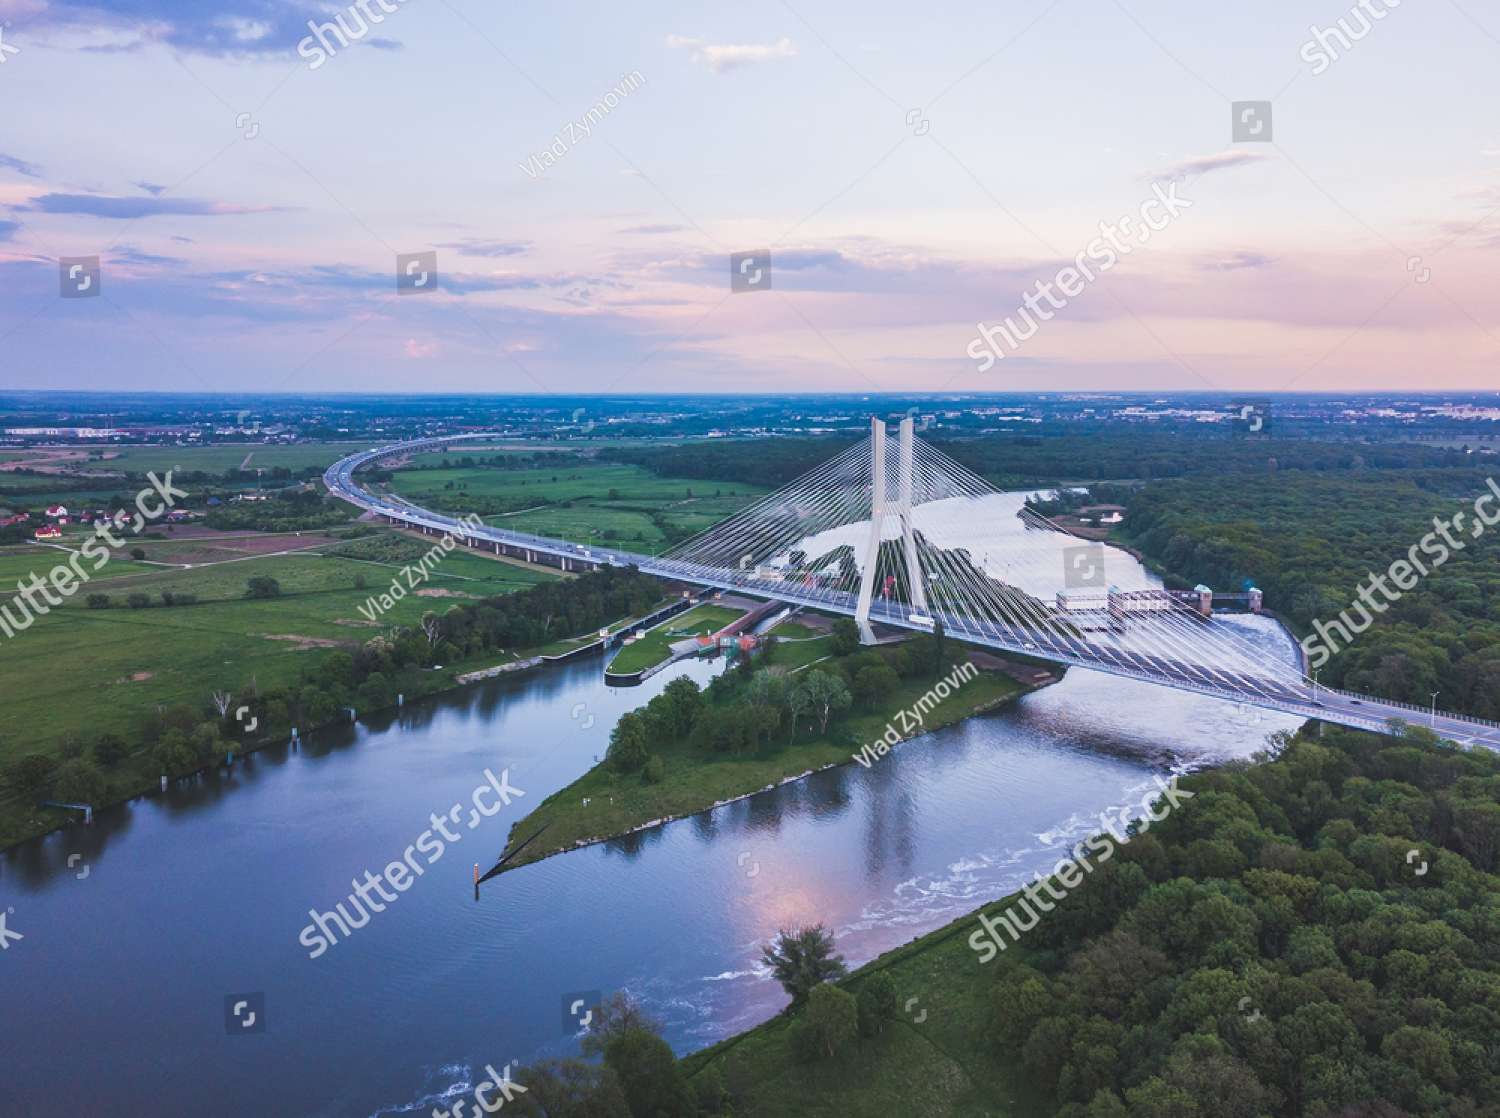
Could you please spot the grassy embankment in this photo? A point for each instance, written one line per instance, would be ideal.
(695, 781)
(943, 1065)
(655, 646)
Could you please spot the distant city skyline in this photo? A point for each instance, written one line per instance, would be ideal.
(584, 176)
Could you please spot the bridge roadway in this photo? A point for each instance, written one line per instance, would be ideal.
(1290, 695)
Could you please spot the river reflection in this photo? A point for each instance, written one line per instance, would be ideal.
(117, 990)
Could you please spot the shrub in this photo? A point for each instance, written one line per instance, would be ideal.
(877, 1004)
(137, 552)
(833, 1018)
(138, 601)
(110, 749)
(32, 775)
(654, 769)
(79, 782)
(98, 601)
(262, 586)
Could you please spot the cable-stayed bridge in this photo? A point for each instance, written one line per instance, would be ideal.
(893, 532)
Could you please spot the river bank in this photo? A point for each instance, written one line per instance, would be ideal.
(132, 778)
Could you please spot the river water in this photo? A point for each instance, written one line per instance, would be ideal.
(137, 929)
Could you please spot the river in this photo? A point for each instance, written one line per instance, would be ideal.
(137, 929)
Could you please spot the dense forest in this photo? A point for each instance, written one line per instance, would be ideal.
(1308, 540)
(1273, 947)
(1011, 461)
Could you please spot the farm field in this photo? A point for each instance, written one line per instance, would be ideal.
(82, 671)
(590, 502)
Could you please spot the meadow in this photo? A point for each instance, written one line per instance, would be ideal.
(80, 671)
(587, 501)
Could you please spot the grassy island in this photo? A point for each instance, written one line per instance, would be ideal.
(793, 708)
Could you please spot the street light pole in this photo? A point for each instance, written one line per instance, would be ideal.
(1315, 681)
(1435, 694)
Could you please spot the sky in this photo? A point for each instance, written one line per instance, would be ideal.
(584, 174)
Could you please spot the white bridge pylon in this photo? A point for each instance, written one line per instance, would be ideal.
(949, 549)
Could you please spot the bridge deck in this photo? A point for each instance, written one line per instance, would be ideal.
(1287, 693)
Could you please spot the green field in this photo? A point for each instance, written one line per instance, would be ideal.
(601, 504)
(215, 459)
(694, 781)
(655, 646)
(81, 671)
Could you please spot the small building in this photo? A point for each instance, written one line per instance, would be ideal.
(57, 512)
(48, 532)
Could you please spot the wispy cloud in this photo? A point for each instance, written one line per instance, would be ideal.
(115, 206)
(8, 230)
(1204, 164)
(720, 57)
(654, 229)
(20, 166)
(152, 188)
(475, 247)
(1235, 261)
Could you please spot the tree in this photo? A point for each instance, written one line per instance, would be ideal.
(110, 749)
(98, 601)
(845, 636)
(826, 693)
(615, 1016)
(262, 586)
(568, 1089)
(649, 1075)
(31, 776)
(874, 682)
(833, 1018)
(432, 628)
(877, 1003)
(801, 958)
(79, 782)
(137, 552)
(628, 743)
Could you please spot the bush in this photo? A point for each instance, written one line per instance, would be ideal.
(138, 601)
(654, 769)
(110, 749)
(262, 586)
(833, 1018)
(79, 782)
(31, 776)
(98, 601)
(137, 552)
(877, 1004)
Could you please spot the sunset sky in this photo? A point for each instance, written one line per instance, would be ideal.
(914, 170)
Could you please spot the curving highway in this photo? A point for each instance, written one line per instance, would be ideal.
(1271, 690)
